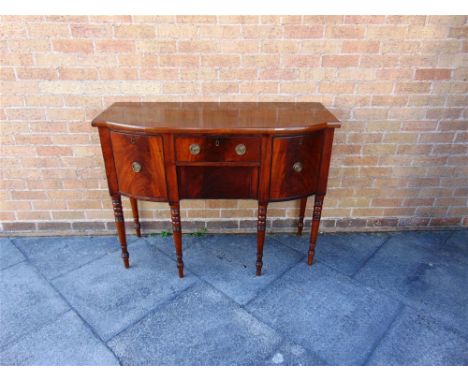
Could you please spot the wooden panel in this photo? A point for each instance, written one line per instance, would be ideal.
(217, 149)
(150, 182)
(217, 182)
(286, 183)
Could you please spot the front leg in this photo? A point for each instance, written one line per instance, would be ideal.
(300, 224)
(120, 225)
(261, 223)
(136, 217)
(315, 227)
(177, 233)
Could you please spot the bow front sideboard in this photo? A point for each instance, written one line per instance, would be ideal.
(267, 151)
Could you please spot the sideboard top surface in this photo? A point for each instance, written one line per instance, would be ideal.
(217, 117)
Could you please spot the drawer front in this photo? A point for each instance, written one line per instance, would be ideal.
(139, 162)
(295, 165)
(217, 149)
(198, 182)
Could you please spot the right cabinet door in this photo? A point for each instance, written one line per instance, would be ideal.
(295, 165)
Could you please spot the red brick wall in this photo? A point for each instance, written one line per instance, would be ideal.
(398, 83)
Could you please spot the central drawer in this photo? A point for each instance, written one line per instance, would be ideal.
(193, 148)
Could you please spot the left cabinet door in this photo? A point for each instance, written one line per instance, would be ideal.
(139, 163)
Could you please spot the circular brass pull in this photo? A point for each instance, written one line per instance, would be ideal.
(298, 166)
(136, 167)
(194, 149)
(241, 149)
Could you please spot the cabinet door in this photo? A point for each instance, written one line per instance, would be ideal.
(139, 163)
(295, 165)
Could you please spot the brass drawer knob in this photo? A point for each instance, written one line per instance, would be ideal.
(136, 167)
(241, 149)
(298, 166)
(194, 149)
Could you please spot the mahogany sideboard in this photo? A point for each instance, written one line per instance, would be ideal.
(267, 151)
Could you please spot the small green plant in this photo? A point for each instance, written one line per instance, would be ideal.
(199, 233)
(165, 233)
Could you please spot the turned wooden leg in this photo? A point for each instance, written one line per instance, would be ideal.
(261, 223)
(300, 224)
(136, 217)
(177, 234)
(315, 227)
(120, 224)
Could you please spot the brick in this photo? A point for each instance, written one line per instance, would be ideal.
(72, 46)
(401, 47)
(198, 46)
(28, 195)
(386, 32)
(29, 45)
(458, 32)
(220, 31)
(345, 31)
(53, 151)
(376, 61)
(67, 19)
(241, 46)
(412, 87)
(453, 125)
(179, 60)
(296, 61)
(222, 224)
(220, 87)
(48, 30)
(320, 46)
(152, 46)
(36, 74)
(114, 46)
(364, 19)
(394, 74)
(78, 73)
(177, 31)
(280, 46)
(296, 87)
(433, 74)
(7, 74)
(408, 20)
(134, 31)
(53, 226)
(425, 32)
(118, 74)
(16, 227)
(90, 31)
(336, 87)
(277, 74)
(220, 60)
(260, 60)
(259, 87)
(340, 61)
(18, 114)
(303, 31)
(360, 46)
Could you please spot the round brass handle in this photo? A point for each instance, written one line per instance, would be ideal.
(136, 167)
(298, 166)
(241, 149)
(194, 149)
